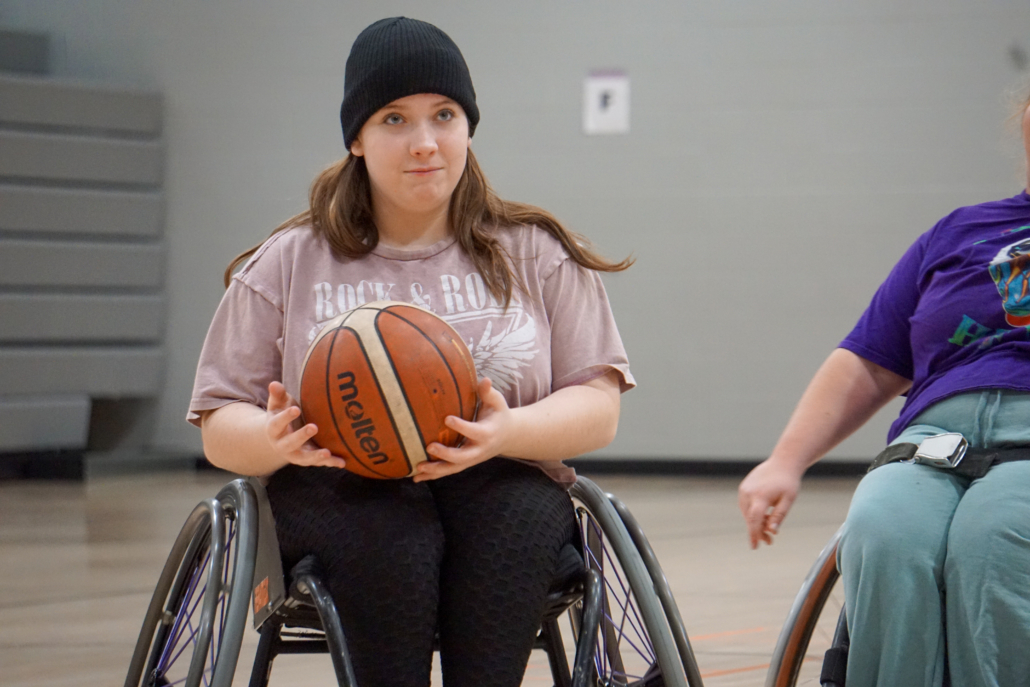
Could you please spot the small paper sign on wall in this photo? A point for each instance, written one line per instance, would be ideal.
(606, 103)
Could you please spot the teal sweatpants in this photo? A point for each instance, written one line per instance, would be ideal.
(934, 563)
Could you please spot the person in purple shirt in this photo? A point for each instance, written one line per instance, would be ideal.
(935, 560)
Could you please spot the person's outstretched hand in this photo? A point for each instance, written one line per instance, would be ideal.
(765, 497)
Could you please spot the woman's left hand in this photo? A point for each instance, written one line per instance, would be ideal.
(484, 438)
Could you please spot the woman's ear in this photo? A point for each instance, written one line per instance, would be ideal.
(356, 148)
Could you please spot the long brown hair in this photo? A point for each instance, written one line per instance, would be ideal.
(340, 211)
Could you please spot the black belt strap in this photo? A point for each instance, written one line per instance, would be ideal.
(974, 464)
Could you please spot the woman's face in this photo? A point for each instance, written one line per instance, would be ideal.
(415, 150)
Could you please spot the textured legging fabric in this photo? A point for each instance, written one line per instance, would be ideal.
(470, 555)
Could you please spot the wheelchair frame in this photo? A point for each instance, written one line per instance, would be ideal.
(792, 644)
(620, 601)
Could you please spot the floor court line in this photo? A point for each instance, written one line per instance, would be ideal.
(729, 633)
(733, 671)
(746, 669)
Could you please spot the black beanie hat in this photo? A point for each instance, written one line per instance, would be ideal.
(397, 57)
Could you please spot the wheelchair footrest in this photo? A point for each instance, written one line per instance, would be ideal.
(835, 665)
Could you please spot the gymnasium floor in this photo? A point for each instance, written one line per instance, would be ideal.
(78, 562)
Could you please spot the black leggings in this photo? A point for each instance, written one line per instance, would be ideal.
(470, 555)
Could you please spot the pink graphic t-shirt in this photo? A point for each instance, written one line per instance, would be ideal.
(557, 333)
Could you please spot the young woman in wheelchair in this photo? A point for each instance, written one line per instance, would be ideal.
(935, 550)
(468, 547)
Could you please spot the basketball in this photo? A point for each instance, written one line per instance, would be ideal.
(379, 380)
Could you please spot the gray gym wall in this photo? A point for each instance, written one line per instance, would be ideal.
(783, 154)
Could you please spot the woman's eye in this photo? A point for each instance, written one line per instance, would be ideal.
(445, 115)
(393, 119)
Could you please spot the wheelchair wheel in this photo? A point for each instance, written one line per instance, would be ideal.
(811, 625)
(194, 626)
(641, 641)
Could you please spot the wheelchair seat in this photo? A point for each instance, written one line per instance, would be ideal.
(566, 587)
(307, 621)
(622, 620)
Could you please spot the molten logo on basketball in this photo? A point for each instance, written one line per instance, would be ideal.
(362, 427)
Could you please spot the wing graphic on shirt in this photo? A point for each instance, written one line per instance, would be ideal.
(500, 356)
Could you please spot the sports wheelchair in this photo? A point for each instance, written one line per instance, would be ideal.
(817, 615)
(622, 618)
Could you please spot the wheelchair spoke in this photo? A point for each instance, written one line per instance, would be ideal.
(623, 637)
(631, 617)
(189, 641)
(182, 628)
(177, 628)
(186, 624)
(649, 655)
(186, 627)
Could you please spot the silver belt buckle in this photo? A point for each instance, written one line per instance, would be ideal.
(941, 450)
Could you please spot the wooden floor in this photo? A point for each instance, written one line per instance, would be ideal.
(78, 562)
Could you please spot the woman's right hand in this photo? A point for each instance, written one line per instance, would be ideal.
(843, 394)
(288, 439)
(765, 497)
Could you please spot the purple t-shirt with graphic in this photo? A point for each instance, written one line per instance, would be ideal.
(954, 313)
